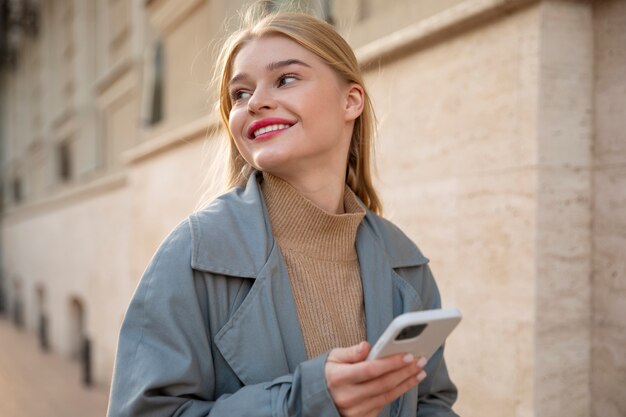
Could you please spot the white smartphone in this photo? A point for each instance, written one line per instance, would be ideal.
(420, 333)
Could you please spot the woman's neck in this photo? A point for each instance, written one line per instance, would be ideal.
(324, 190)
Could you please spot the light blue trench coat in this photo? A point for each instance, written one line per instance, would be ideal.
(212, 328)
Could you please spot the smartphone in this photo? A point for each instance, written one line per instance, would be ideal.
(420, 333)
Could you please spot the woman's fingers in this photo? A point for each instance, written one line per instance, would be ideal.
(360, 387)
(358, 393)
(351, 354)
(377, 402)
(368, 370)
(389, 381)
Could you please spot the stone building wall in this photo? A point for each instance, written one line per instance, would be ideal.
(458, 173)
(46, 248)
(608, 278)
(501, 153)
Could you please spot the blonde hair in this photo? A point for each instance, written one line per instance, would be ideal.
(320, 38)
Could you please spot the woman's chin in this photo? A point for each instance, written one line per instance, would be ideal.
(272, 163)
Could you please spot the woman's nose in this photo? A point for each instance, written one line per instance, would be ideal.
(261, 100)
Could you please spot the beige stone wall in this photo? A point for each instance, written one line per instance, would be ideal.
(364, 21)
(188, 42)
(167, 188)
(45, 247)
(563, 267)
(458, 173)
(608, 332)
(94, 243)
(118, 108)
(120, 20)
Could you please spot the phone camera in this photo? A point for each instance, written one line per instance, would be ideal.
(411, 331)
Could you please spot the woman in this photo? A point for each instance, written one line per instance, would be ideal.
(266, 302)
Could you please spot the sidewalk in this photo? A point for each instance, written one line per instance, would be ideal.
(37, 384)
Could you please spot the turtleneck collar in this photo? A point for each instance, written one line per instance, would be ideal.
(300, 225)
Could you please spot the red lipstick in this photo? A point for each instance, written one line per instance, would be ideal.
(268, 121)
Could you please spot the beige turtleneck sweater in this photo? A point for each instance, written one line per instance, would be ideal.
(319, 251)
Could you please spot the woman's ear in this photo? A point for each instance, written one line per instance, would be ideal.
(355, 100)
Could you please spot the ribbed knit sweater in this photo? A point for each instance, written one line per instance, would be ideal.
(322, 264)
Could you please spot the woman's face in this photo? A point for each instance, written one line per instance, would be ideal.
(291, 114)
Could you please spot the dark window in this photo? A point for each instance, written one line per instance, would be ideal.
(320, 8)
(327, 11)
(17, 190)
(270, 5)
(64, 161)
(276, 5)
(155, 86)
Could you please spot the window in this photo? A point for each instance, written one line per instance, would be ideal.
(271, 5)
(17, 190)
(64, 161)
(327, 11)
(80, 343)
(320, 8)
(153, 85)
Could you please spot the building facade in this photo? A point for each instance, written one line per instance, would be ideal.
(501, 152)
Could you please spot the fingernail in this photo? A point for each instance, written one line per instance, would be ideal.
(421, 376)
(408, 358)
(359, 348)
(422, 362)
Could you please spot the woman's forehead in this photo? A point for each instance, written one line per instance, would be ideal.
(258, 53)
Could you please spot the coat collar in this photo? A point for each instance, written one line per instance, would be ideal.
(233, 236)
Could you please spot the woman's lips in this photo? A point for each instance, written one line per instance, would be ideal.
(268, 127)
(273, 131)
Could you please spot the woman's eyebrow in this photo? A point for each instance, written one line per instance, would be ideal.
(272, 66)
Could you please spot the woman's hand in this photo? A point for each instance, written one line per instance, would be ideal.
(362, 388)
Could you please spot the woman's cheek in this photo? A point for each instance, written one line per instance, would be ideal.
(235, 124)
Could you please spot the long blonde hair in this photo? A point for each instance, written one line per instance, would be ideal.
(320, 38)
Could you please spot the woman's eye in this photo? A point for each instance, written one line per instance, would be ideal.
(239, 95)
(286, 79)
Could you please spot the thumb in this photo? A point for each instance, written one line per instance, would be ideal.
(351, 354)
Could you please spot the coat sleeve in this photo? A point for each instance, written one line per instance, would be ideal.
(164, 363)
(437, 393)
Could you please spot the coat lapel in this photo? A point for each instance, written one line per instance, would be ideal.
(262, 340)
(381, 247)
(376, 277)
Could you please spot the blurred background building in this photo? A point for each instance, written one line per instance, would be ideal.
(502, 153)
